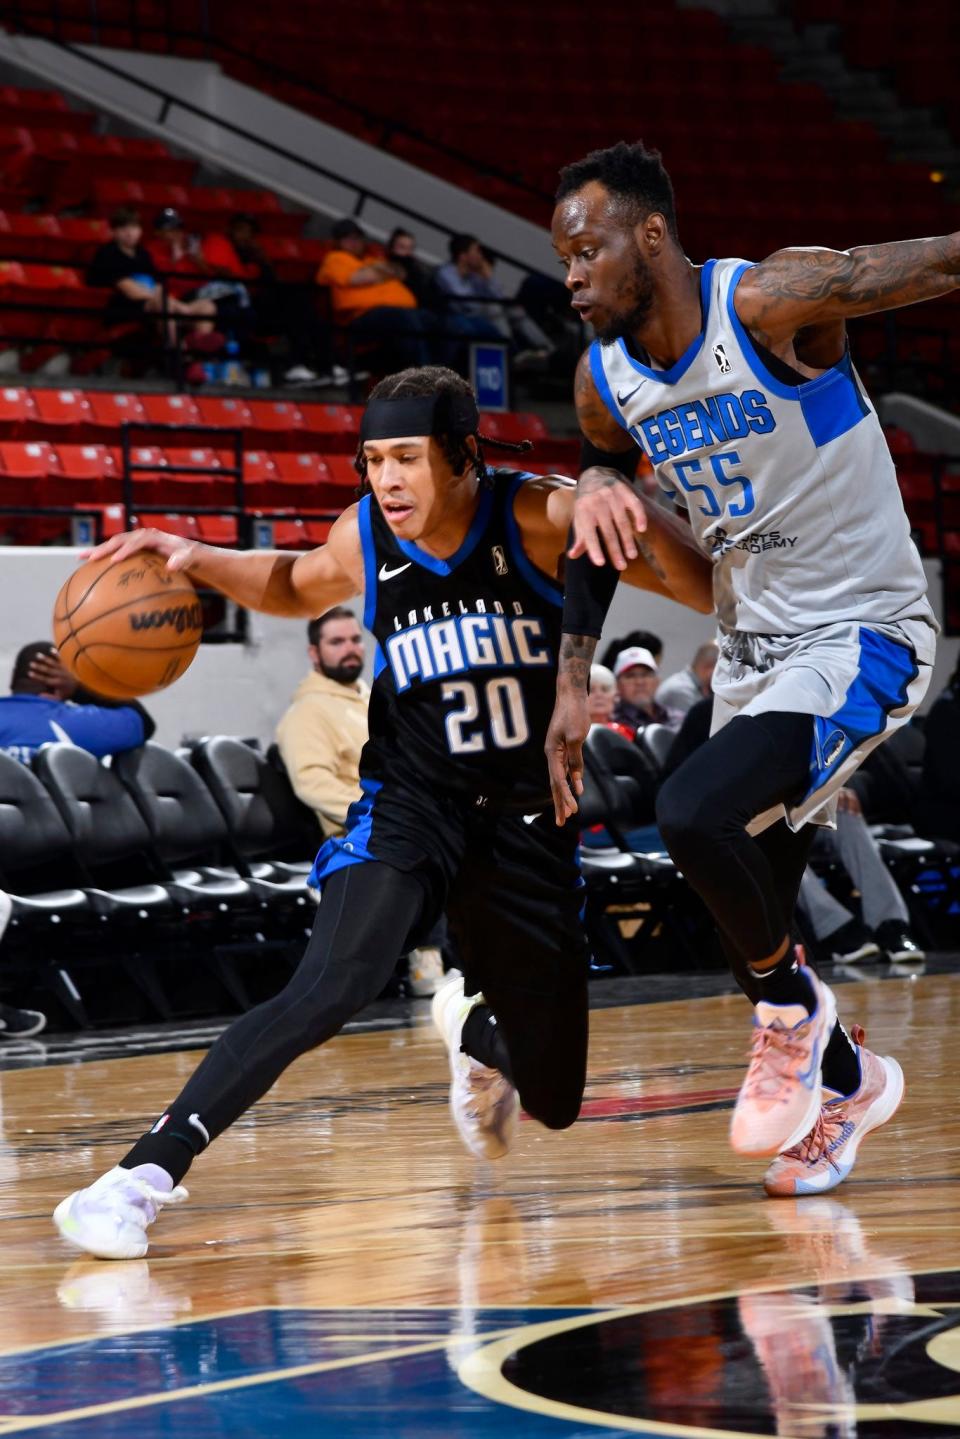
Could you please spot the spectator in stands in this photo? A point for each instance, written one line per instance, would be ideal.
(626, 761)
(372, 302)
(637, 677)
(278, 308)
(176, 252)
(885, 925)
(124, 266)
(682, 690)
(178, 256)
(531, 341)
(401, 251)
(322, 733)
(602, 699)
(636, 639)
(16, 1023)
(475, 303)
(46, 704)
(320, 738)
(937, 811)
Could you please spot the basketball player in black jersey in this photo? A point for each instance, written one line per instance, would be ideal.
(459, 569)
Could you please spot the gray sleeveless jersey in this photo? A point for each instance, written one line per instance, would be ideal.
(790, 488)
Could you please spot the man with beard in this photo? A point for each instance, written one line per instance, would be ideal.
(322, 733)
(736, 382)
(320, 739)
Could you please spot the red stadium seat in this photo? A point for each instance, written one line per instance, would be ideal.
(302, 469)
(112, 520)
(171, 410)
(225, 414)
(217, 529)
(194, 457)
(149, 455)
(31, 101)
(92, 469)
(25, 467)
(37, 235)
(186, 526)
(67, 411)
(176, 478)
(342, 472)
(261, 482)
(276, 423)
(111, 411)
(318, 531)
(334, 428)
(513, 427)
(258, 465)
(18, 414)
(290, 535)
(27, 459)
(51, 277)
(83, 236)
(12, 273)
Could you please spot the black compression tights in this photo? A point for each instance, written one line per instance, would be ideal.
(363, 926)
(361, 930)
(750, 885)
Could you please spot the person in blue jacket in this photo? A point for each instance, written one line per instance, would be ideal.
(47, 704)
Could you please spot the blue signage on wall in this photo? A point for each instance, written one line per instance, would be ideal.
(490, 375)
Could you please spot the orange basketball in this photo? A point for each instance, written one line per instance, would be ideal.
(127, 629)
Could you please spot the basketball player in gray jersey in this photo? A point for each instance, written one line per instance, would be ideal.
(735, 381)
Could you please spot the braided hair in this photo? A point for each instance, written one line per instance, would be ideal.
(432, 380)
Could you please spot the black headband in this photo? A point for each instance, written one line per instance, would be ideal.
(437, 414)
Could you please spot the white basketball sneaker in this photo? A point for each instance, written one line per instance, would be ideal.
(485, 1105)
(109, 1219)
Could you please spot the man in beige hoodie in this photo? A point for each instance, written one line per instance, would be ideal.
(322, 733)
(320, 738)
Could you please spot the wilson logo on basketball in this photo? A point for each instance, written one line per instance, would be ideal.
(176, 617)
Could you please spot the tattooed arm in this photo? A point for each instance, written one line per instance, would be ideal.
(569, 724)
(794, 289)
(608, 514)
(595, 420)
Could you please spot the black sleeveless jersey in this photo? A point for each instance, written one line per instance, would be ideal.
(466, 656)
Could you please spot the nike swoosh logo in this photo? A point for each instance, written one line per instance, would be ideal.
(387, 574)
(622, 399)
(529, 818)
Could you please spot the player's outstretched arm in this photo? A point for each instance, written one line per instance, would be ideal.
(807, 286)
(669, 564)
(609, 512)
(301, 586)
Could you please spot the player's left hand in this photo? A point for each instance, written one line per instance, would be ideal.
(607, 517)
(564, 749)
(52, 673)
(848, 802)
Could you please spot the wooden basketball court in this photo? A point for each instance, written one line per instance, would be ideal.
(344, 1268)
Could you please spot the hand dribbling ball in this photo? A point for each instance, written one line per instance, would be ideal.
(128, 629)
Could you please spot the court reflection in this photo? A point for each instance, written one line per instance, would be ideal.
(813, 1345)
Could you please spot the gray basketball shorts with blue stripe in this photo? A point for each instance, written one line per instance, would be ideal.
(858, 683)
